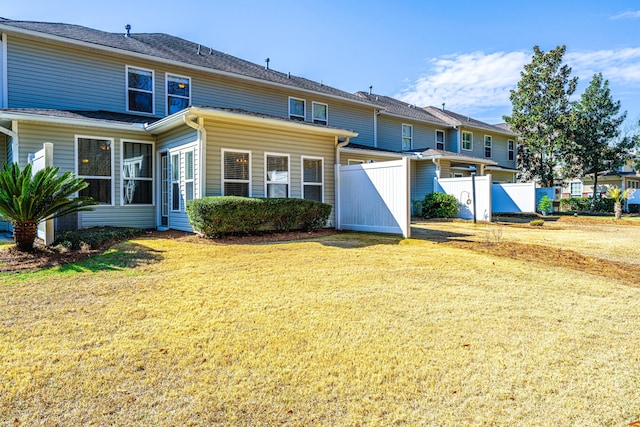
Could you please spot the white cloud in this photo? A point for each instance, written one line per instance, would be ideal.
(627, 15)
(474, 83)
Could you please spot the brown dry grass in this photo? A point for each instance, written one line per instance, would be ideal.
(345, 330)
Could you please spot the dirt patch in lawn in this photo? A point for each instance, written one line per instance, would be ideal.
(12, 260)
(629, 274)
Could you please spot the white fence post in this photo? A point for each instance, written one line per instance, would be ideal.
(41, 160)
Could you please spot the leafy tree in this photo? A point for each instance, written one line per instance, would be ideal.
(26, 200)
(596, 128)
(618, 197)
(541, 115)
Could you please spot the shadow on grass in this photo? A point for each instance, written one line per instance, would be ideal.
(438, 236)
(118, 257)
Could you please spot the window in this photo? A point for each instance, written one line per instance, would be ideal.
(320, 113)
(439, 140)
(189, 188)
(139, 90)
(467, 140)
(576, 189)
(277, 175)
(510, 147)
(633, 184)
(137, 173)
(457, 175)
(175, 182)
(407, 137)
(488, 142)
(236, 167)
(355, 162)
(178, 93)
(312, 182)
(297, 109)
(94, 163)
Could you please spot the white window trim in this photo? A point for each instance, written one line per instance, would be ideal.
(302, 181)
(153, 90)
(313, 119)
(266, 180)
(462, 140)
(304, 117)
(172, 181)
(113, 179)
(240, 181)
(490, 146)
(122, 178)
(403, 137)
(581, 185)
(444, 137)
(193, 179)
(511, 150)
(166, 89)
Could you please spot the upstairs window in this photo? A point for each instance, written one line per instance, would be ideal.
(297, 108)
(312, 178)
(439, 140)
(139, 90)
(488, 142)
(407, 137)
(137, 173)
(178, 93)
(277, 175)
(467, 140)
(320, 113)
(236, 167)
(511, 148)
(95, 165)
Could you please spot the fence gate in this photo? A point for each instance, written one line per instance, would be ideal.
(374, 197)
(41, 160)
(462, 190)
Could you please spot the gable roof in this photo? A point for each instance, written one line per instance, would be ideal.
(467, 121)
(399, 108)
(165, 47)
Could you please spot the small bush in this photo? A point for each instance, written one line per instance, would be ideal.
(440, 205)
(633, 208)
(544, 205)
(92, 237)
(223, 215)
(536, 222)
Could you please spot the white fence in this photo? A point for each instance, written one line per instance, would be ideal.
(462, 189)
(512, 197)
(374, 197)
(41, 160)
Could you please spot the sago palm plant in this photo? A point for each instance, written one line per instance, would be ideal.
(26, 200)
(618, 197)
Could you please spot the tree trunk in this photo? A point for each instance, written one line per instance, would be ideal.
(24, 234)
(595, 192)
(617, 209)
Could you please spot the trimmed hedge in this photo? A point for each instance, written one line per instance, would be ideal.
(439, 205)
(223, 215)
(95, 236)
(583, 204)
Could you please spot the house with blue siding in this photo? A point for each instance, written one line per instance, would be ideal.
(152, 121)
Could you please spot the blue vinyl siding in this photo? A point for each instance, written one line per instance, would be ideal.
(390, 133)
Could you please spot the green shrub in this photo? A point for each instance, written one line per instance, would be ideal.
(95, 236)
(583, 204)
(633, 208)
(223, 215)
(536, 222)
(440, 205)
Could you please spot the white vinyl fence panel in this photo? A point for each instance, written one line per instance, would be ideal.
(41, 160)
(374, 197)
(462, 189)
(514, 197)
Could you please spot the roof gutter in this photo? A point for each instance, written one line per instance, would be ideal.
(118, 51)
(138, 127)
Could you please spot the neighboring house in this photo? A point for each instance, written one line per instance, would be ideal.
(151, 121)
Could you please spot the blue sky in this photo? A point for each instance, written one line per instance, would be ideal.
(467, 54)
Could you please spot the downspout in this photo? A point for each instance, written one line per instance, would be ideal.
(437, 163)
(336, 174)
(375, 128)
(459, 134)
(202, 137)
(14, 141)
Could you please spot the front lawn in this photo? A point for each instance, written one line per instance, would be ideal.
(345, 330)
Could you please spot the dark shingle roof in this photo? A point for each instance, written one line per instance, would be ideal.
(401, 108)
(470, 122)
(171, 48)
(103, 116)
